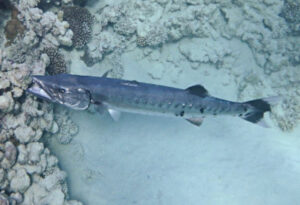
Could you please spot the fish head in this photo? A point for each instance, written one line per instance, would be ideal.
(62, 89)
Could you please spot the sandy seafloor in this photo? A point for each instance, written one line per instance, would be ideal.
(153, 160)
(150, 160)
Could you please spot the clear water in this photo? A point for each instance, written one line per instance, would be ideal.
(153, 160)
(149, 160)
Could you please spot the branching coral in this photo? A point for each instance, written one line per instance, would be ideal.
(80, 21)
(57, 61)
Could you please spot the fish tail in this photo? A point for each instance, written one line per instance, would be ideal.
(258, 108)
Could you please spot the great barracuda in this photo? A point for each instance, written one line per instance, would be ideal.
(116, 96)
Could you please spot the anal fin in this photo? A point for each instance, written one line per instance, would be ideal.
(195, 120)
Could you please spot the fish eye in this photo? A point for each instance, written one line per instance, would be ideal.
(61, 90)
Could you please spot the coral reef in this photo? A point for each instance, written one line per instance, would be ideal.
(288, 118)
(67, 128)
(29, 173)
(291, 13)
(13, 27)
(42, 30)
(80, 21)
(96, 51)
(57, 63)
(23, 158)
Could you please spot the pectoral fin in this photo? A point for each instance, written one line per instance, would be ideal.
(115, 114)
(195, 120)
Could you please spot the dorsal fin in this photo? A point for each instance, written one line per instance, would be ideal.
(198, 90)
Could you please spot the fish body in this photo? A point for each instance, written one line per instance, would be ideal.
(115, 95)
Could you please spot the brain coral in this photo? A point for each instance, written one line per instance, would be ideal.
(57, 62)
(81, 21)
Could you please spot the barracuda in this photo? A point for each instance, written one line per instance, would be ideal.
(116, 96)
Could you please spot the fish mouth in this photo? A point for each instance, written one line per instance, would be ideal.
(39, 89)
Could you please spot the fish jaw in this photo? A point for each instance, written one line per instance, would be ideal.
(58, 89)
(39, 89)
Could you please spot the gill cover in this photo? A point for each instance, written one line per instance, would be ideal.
(78, 99)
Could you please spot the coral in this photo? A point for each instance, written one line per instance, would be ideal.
(19, 180)
(210, 53)
(141, 41)
(13, 27)
(6, 102)
(88, 59)
(291, 13)
(154, 36)
(104, 44)
(288, 117)
(125, 27)
(67, 128)
(42, 30)
(25, 162)
(80, 21)
(117, 70)
(57, 61)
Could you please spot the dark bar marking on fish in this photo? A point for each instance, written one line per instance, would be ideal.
(182, 113)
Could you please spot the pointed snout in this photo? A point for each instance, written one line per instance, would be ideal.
(39, 88)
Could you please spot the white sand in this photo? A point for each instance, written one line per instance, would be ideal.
(150, 160)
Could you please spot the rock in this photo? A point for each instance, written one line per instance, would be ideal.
(54, 180)
(24, 134)
(23, 154)
(55, 197)
(20, 181)
(10, 155)
(35, 193)
(1, 156)
(35, 149)
(54, 129)
(17, 92)
(6, 102)
(17, 197)
(3, 200)
(2, 175)
(4, 83)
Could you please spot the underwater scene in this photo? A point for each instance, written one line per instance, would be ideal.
(149, 102)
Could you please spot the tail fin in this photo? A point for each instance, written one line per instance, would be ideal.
(258, 108)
